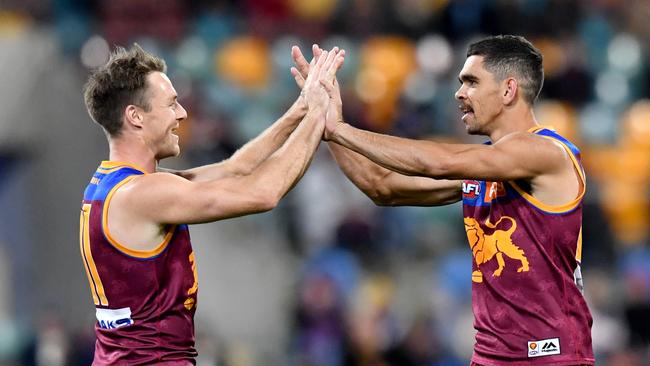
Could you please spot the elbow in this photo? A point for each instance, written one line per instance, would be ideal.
(382, 202)
(380, 195)
(378, 198)
(267, 201)
(271, 203)
(438, 169)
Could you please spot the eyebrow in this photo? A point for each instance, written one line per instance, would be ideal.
(467, 77)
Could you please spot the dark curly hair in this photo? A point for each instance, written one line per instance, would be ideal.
(508, 55)
(119, 83)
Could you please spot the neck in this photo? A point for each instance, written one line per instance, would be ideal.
(133, 151)
(518, 118)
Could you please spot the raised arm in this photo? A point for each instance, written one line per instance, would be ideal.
(381, 185)
(163, 198)
(254, 152)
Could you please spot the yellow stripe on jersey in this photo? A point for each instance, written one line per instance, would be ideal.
(557, 208)
(537, 128)
(579, 247)
(110, 166)
(96, 286)
(132, 252)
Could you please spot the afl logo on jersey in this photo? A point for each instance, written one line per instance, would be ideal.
(471, 189)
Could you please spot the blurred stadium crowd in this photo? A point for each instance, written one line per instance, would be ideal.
(378, 286)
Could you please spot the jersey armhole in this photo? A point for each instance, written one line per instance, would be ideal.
(563, 207)
(143, 254)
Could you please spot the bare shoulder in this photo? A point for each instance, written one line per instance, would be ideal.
(154, 180)
(145, 190)
(186, 174)
(542, 152)
(529, 140)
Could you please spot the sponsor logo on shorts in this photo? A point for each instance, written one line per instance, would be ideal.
(113, 318)
(544, 347)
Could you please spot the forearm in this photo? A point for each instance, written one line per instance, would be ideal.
(260, 148)
(362, 172)
(389, 188)
(249, 156)
(405, 156)
(282, 170)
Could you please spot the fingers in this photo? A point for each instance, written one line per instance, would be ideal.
(335, 64)
(316, 50)
(301, 63)
(316, 66)
(329, 88)
(300, 80)
(321, 74)
(308, 81)
(327, 58)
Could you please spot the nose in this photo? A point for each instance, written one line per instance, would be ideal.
(460, 93)
(181, 113)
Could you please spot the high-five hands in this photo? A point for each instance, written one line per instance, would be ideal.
(322, 72)
(301, 73)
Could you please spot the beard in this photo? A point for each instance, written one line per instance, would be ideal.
(473, 127)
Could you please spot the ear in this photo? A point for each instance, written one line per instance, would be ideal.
(511, 88)
(133, 116)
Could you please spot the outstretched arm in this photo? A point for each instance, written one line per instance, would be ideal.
(164, 198)
(388, 188)
(519, 155)
(253, 153)
(381, 185)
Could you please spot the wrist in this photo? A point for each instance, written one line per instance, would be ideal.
(338, 129)
(334, 134)
(299, 108)
(317, 109)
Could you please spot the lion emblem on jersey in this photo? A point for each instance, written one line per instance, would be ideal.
(499, 243)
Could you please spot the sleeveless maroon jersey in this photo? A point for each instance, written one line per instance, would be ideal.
(145, 300)
(526, 284)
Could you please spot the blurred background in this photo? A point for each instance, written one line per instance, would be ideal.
(327, 278)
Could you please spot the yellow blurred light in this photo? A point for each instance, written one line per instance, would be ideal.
(555, 58)
(438, 5)
(394, 59)
(394, 56)
(627, 209)
(636, 125)
(561, 116)
(13, 23)
(600, 161)
(623, 174)
(371, 85)
(313, 9)
(377, 292)
(244, 61)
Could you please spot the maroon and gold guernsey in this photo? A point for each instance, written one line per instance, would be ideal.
(145, 300)
(526, 283)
